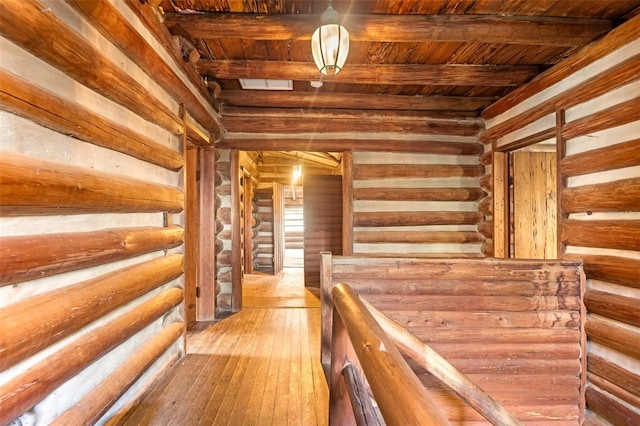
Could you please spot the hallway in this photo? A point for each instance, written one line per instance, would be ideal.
(260, 366)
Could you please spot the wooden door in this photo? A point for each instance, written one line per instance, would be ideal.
(322, 222)
(534, 205)
(278, 227)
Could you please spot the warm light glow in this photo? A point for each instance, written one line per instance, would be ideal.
(297, 172)
(330, 44)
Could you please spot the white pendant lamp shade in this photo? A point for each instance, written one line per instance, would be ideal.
(330, 44)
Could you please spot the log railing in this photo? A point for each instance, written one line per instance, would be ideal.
(400, 395)
(365, 337)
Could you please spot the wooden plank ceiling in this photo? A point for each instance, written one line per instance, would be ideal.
(414, 66)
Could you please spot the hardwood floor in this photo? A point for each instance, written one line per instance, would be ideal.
(260, 366)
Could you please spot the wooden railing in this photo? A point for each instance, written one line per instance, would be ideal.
(359, 340)
(364, 337)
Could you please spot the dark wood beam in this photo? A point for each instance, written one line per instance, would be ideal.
(338, 145)
(436, 75)
(297, 123)
(288, 99)
(433, 117)
(530, 30)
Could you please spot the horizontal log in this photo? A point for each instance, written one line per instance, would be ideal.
(524, 406)
(501, 335)
(195, 135)
(97, 402)
(617, 76)
(27, 100)
(612, 234)
(27, 389)
(509, 270)
(77, 58)
(510, 351)
(613, 389)
(613, 335)
(618, 156)
(421, 75)
(416, 237)
(610, 408)
(388, 171)
(377, 353)
(30, 186)
(35, 256)
(398, 28)
(59, 313)
(430, 302)
(528, 141)
(464, 106)
(418, 194)
(614, 306)
(613, 269)
(616, 196)
(435, 364)
(498, 321)
(330, 144)
(415, 218)
(148, 16)
(521, 366)
(107, 19)
(293, 125)
(613, 40)
(454, 284)
(611, 371)
(429, 117)
(617, 115)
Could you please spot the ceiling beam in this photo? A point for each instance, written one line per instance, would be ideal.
(257, 143)
(374, 115)
(528, 30)
(295, 124)
(423, 75)
(288, 99)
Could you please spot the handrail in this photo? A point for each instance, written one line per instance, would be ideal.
(400, 395)
(440, 368)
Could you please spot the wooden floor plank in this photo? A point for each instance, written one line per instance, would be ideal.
(260, 366)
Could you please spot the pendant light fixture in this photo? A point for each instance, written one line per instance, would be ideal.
(330, 43)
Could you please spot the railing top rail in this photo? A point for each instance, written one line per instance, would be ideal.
(402, 398)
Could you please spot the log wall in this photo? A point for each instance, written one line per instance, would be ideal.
(92, 199)
(512, 326)
(590, 104)
(418, 204)
(263, 254)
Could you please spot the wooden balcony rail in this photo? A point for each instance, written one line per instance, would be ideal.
(435, 364)
(402, 398)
